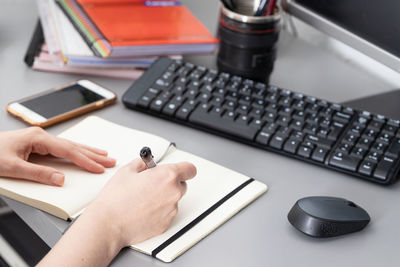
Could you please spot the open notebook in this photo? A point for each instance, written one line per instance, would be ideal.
(212, 197)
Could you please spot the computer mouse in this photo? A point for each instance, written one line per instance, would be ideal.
(320, 216)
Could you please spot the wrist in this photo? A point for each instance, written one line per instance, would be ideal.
(103, 224)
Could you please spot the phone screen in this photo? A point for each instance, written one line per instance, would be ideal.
(62, 101)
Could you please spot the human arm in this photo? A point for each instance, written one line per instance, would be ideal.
(18, 145)
(136, 204)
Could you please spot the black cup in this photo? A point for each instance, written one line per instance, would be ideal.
(248, 44)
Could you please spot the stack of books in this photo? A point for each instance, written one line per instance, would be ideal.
(113, 38)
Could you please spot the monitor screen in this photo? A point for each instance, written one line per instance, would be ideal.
(373, 27)
(376, 21)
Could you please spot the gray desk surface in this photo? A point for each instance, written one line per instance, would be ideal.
(260, 235)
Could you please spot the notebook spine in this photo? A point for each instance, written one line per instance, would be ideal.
(199, 218)
(35, 44)
(86, 27)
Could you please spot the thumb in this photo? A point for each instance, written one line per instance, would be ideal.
(137, 165)
(38, 173)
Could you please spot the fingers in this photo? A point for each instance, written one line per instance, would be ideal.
(105, 161)
(37, 173)
(174, 176)
(91, 159)
(93, 149)
(81, 160)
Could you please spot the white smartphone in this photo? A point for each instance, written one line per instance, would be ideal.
(62, 103)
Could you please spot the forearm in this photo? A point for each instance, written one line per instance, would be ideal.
(91, 241)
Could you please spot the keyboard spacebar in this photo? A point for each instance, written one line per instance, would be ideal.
(209, 120)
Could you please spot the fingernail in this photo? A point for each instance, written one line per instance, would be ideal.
(101, 151)
(57, 179)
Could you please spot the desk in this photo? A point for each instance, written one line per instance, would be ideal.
(260, 235)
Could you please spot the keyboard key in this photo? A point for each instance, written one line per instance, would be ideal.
(285, 131)
(350, 139)
(348, 110)
(216, 101)
(204, 97)
(271, 127)
(358, 152)
(144, 101)
(375, 125)
(230, 105)
(256, 123)
(366, 167)
(158, 104)
(389, 129)
(304, 151)
(373, 156)
(310, 128)
(364, 142)
(178, 90)
(299, 115)
(297, 125)
(243, 109)
(384, 167)
(242, 119)
(335, 130)
(394, 123)
(256, 113)
(370, 133)
(283, 121)
(322, 133)
(394, 148)
(356, 130)
(384, 138)
(184, 111)
(362, 121)
(298, 135)
(342, 117)
(230, 115)
(263, 137)
(336, 107)
(378, 147)
(170, 108)
(200, 116)
(345, 148)
(291, 145)
(217, 111)
(319, 141)
(246, 100)
(344, 161)
(277, 141)
(319, 154)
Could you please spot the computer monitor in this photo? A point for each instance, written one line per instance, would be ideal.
(371, 27)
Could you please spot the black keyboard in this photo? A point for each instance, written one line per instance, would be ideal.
(327, 134)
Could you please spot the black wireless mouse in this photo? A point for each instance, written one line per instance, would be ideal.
(327, 216)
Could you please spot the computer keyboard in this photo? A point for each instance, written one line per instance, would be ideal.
(313, 130)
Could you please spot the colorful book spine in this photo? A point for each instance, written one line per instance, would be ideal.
(94, 38)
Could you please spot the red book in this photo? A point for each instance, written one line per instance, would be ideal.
(137, 28)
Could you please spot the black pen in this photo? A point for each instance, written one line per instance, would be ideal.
(147, 157)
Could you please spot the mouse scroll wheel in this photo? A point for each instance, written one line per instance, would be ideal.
(351, 204)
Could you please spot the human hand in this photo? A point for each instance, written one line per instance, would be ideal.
(141, 202)
(17, 146)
